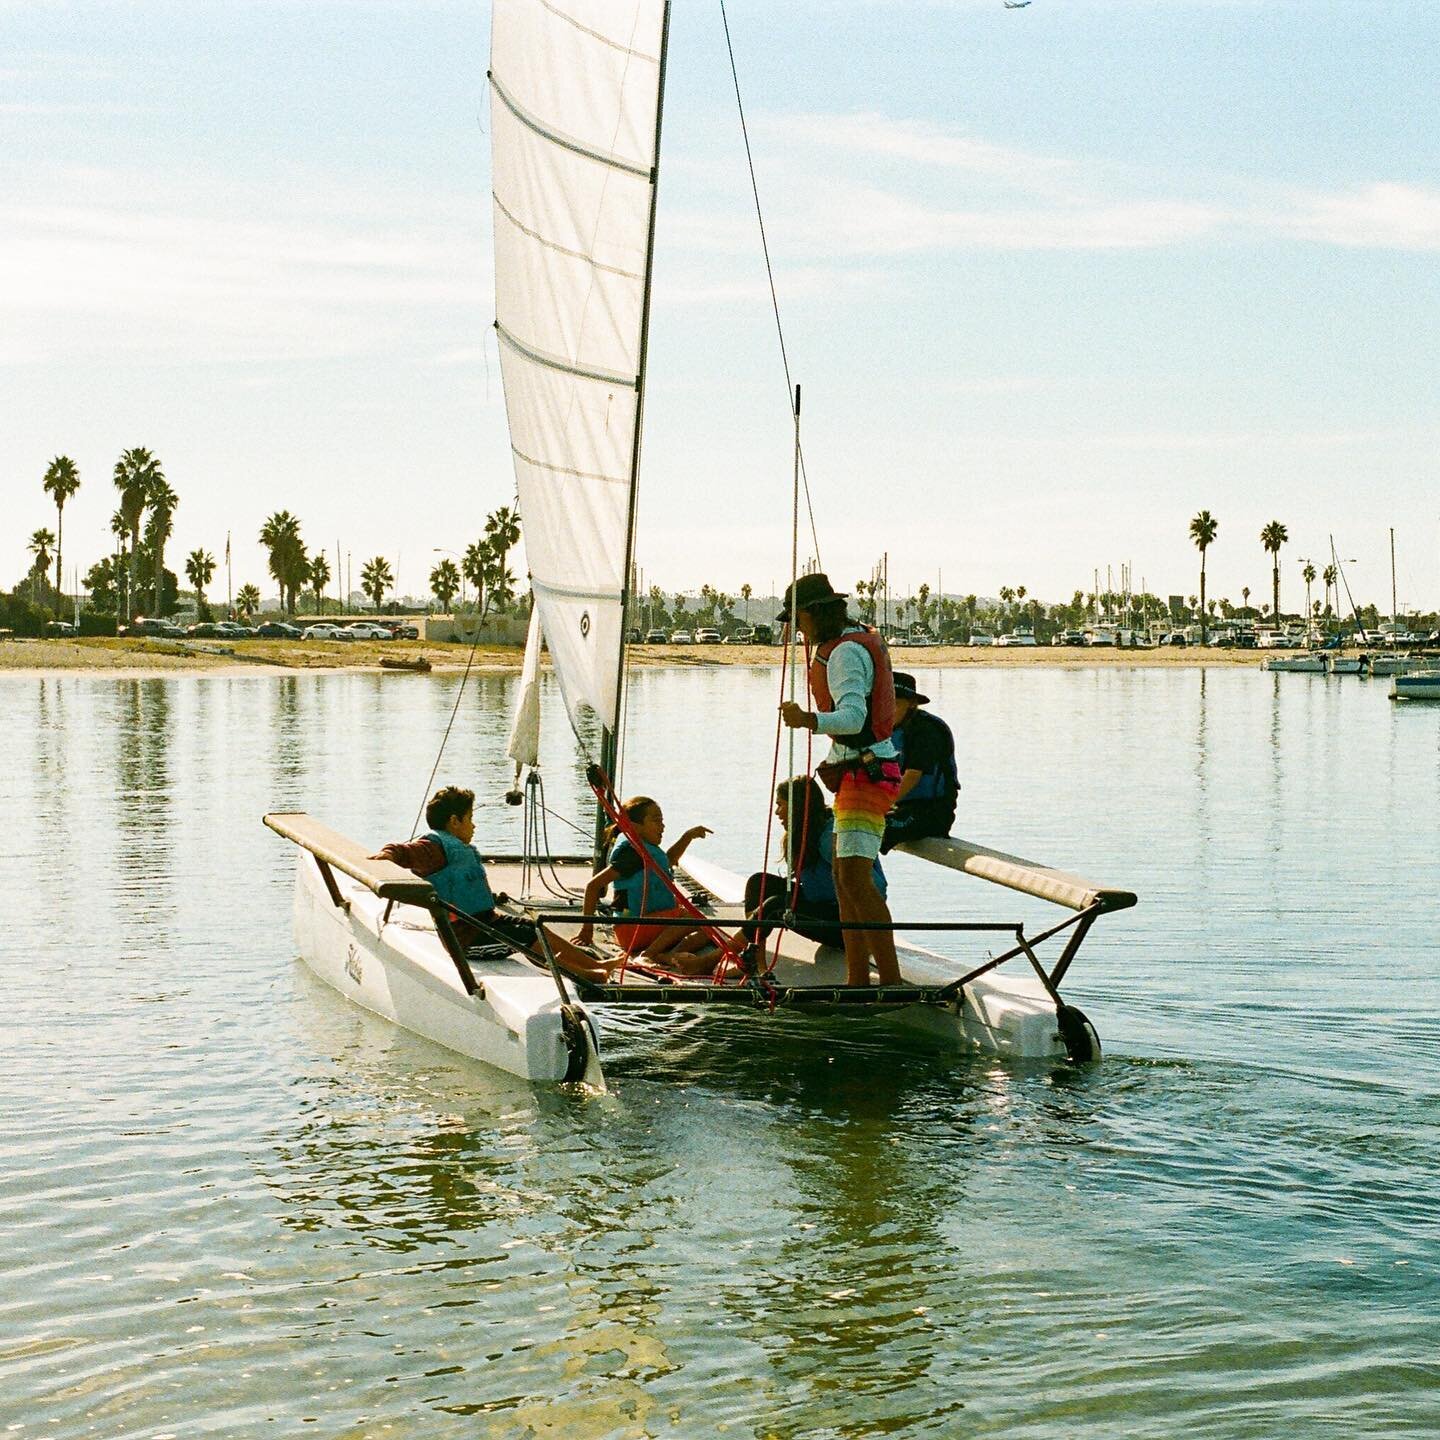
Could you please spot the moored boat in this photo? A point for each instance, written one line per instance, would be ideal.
(1418, 685)
(1306, 663)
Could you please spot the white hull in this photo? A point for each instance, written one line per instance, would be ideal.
(1297, 664)
(1347, 664)
(1424, 686)
(401, 971)
(1391, 664)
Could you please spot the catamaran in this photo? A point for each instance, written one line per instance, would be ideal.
(576, 105)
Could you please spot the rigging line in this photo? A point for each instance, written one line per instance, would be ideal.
(769, 270)
(439, 754)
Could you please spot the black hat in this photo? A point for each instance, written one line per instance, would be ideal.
(806, 592)
(905, 689)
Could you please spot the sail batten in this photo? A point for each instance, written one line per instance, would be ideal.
(554, 136)
(575, 105)
(551, 362)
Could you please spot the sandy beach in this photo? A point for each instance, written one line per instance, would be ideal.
(124, 658)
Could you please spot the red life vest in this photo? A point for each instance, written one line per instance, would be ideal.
(879, 705)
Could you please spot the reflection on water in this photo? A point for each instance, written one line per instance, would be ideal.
(237, 1205)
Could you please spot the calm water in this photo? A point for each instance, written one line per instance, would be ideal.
(235, 1206)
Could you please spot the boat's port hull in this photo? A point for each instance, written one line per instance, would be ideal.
(400, 970)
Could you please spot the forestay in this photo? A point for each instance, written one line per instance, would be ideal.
(574, 100)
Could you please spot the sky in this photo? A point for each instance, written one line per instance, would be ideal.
(1052, 281)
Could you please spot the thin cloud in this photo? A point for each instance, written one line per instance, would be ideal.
(918, 142)
(1382, 216)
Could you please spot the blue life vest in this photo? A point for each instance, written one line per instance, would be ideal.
(463, 882)
(940, 782)
(644, 891)
(817, 879)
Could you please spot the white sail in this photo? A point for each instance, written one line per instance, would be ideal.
(575, 88)
(524, 746)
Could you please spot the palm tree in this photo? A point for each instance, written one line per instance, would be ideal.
(1272, 537)
(502, 587)
(280, 534)
(375, 579)
(1203, 529)
(247, 600)
(318, 574)
(162, 501)
(445, 583)
(1308, 576)
(42, 542)
(62, 480)
(745, 593)
(475, 567)
(1245, 595)
(1331, 577)
(120, 529)
(200, 571)
(136, 472)
(502, 530)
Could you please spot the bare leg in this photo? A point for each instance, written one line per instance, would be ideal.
(572, 959)
(860, 900)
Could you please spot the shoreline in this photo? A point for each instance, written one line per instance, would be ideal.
(127, 659)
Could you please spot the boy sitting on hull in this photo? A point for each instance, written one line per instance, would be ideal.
(446, 858)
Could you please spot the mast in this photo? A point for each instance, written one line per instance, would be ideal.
(1394, 604)
(610, 733)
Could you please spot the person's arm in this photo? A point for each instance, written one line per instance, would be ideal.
(593, 891)
(423, 857)
(695, 832)
(908, 781)
(851, 675)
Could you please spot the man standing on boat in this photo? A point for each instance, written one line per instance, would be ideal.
(928, 779)
(853, 691)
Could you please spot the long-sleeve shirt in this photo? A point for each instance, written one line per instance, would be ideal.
(422, 856)
(850, 674)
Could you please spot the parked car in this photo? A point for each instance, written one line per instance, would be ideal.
(232, 630)
(1019, 637)
(322, 630)
(59, 627)
(1071, 637)
(1175, 637)
(981, 638)
(203, 630)
(368, 630)
(707, 637)
(154, 625)
(682, 637)
(764, 635)
(632, 637)
(656, 637)
(744, 636)
(279, 630)
(401, 629)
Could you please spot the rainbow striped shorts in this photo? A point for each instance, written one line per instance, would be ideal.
(861, 805)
